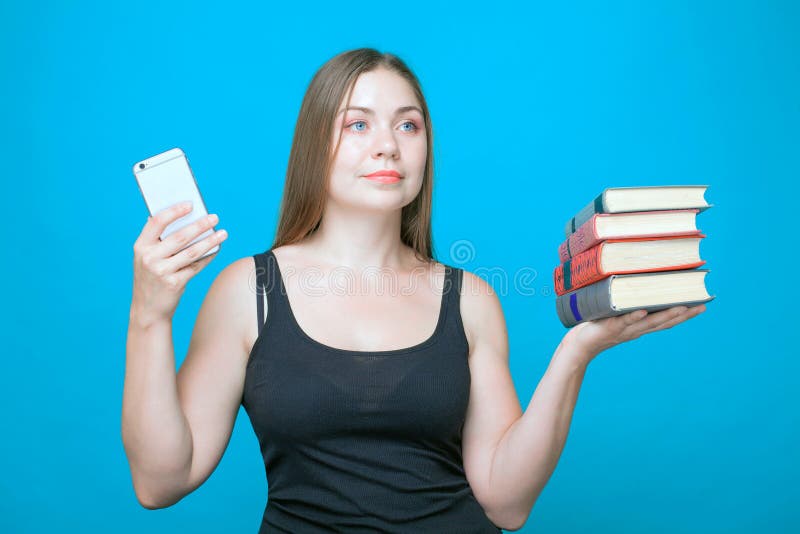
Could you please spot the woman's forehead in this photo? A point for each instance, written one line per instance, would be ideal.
(381, 91)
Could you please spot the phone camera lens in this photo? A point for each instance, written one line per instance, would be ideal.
(141, 165)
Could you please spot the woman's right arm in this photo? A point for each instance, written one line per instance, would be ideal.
(156, 430)
(155, 433)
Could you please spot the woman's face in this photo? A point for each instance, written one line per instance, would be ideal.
(382, 129)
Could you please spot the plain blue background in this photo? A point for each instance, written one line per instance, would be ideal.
(535, 110)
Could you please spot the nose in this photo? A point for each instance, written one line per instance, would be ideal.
(385, 145)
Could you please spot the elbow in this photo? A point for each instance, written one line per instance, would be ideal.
(151, 501)
(154, 504)
(514, 525)
(508, 521)
(150, 505)
(517, 524)
(154, 492)
(509, 518)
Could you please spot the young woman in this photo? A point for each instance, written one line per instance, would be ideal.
(376, 410)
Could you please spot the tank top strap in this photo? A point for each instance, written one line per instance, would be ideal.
(261, 287)
(270, 305)
(453, 330)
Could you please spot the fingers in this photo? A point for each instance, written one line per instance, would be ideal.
(657, 318)
(188, 256)
(179, 249)
(633, 317)
(685, 315)
(662, 320)
(179, 240)
(156, 224)
(185, 274)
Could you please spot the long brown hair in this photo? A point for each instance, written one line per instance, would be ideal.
(311, 157)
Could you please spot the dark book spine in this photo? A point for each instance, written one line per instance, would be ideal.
(595, 206)
(581, 270)
(585, 304)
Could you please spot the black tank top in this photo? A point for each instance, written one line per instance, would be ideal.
(357, 441)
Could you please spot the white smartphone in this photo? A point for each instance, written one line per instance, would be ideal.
(166, 179)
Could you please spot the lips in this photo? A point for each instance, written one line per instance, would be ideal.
(384, 176)
(384, 172)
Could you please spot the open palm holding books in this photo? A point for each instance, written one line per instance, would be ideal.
(633, 248)
(590, 338)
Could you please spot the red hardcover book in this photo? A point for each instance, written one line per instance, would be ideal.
(645, 224)
(628, 256)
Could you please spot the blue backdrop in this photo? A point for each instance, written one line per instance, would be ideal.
(535, 110)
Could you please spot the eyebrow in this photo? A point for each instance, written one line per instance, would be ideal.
(368, 111)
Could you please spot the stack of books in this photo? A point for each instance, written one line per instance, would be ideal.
(632, 248)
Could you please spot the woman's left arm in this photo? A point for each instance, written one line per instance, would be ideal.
(509, 457)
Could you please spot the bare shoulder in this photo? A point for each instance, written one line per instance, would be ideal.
(238, 279)
(234, 294)
(241, 270)
(481, 311)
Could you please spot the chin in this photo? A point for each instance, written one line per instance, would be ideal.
(383, 203)
(385, 206)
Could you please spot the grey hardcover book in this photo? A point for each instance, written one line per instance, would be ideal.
(647, 198)
(623, 293)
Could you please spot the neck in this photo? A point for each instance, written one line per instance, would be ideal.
(359, 239)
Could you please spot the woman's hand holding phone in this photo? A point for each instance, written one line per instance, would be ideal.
(161, 269)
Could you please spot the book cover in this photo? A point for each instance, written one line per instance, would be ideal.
(586, 268)
(587, 237)
(594, 301)
(600, 204)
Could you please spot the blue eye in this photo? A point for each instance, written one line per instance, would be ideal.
(413, 126)
(357, 122)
